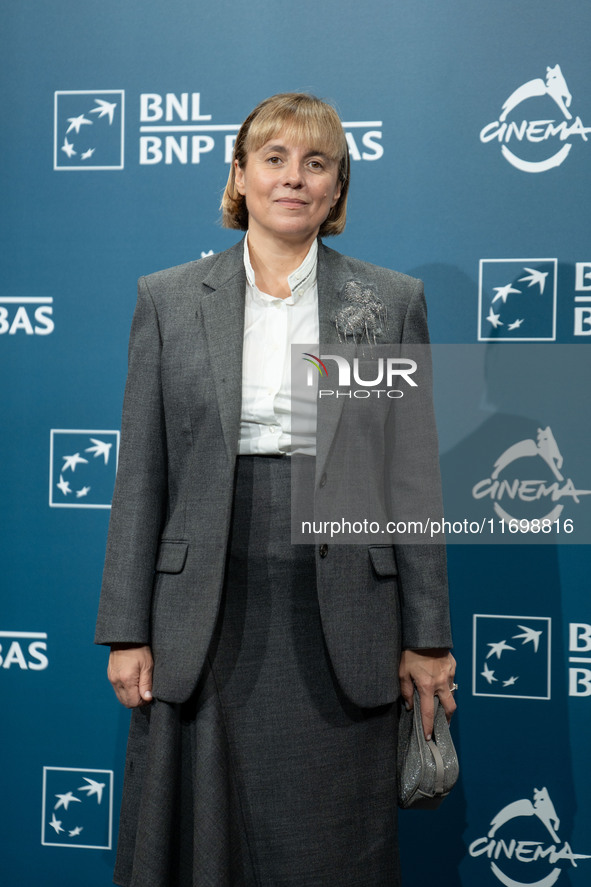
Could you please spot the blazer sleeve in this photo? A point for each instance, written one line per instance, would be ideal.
(139, 501)
(422, 567)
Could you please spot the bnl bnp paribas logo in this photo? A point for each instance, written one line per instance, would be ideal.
(536, 129)
(173, 128)
(517, 300)
(77, 808)
(82, 468)
(23, 650)
(511, 656)
(89, 127)
(523, 845)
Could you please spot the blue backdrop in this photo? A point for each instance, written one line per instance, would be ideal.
(468, 126)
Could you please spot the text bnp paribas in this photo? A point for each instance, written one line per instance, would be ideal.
(174, 129)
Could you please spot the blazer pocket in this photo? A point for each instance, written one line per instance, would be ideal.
(171, 557)
(383, 560)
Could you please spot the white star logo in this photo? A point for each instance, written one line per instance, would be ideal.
(65, 800)
(64, 486)
(498, 648)
(503, 291)
(93, 788)
(68, 147)
(72, 461)
(488, 674)
(77, 122)
(494, 319)
(56, 824)
(100, 448)
(534, 277)
(530, 636)
(104, 108)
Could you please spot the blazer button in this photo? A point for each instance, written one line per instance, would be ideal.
(323, 480)
(323, 550)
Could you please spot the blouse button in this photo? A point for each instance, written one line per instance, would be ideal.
(323, 550)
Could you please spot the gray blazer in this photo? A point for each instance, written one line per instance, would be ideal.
(172, 504)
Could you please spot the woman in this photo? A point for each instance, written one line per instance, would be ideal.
(263, 676)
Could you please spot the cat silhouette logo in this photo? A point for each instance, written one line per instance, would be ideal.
(537, 506)
(536, 129)
(77, 808)
(511, 656)
(523, 844)
(517, 300)
(88, 129)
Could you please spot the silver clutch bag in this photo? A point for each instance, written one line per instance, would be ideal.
(427, 771)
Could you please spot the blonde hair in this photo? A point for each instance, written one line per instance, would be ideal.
(306, 119)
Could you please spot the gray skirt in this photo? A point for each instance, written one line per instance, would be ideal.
(268, 776)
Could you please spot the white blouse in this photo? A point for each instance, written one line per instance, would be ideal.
(271, 326)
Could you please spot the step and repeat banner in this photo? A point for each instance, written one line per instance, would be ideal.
(469, 130)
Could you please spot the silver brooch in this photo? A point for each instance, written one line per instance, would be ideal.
(363, 315)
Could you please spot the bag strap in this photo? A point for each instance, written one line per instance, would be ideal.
(439, 768)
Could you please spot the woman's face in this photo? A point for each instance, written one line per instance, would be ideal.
(289, 189)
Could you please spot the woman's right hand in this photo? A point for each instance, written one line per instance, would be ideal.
(130, 672)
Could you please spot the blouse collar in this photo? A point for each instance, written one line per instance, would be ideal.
(300, 281)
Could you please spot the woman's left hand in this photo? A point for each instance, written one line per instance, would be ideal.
(432, 673)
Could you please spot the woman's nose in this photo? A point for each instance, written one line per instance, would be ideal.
(293, 175)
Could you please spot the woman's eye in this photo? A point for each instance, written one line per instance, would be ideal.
(316, 164)
(274, 160)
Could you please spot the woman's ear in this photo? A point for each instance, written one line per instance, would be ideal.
(337, 194)
(239, 178)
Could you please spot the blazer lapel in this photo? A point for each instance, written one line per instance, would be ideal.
(331, 276)
(222, 309)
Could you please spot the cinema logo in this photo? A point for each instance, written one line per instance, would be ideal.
(523, 845)
(367, 374)
(534, 141)
(504, 487)
(175, 129)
